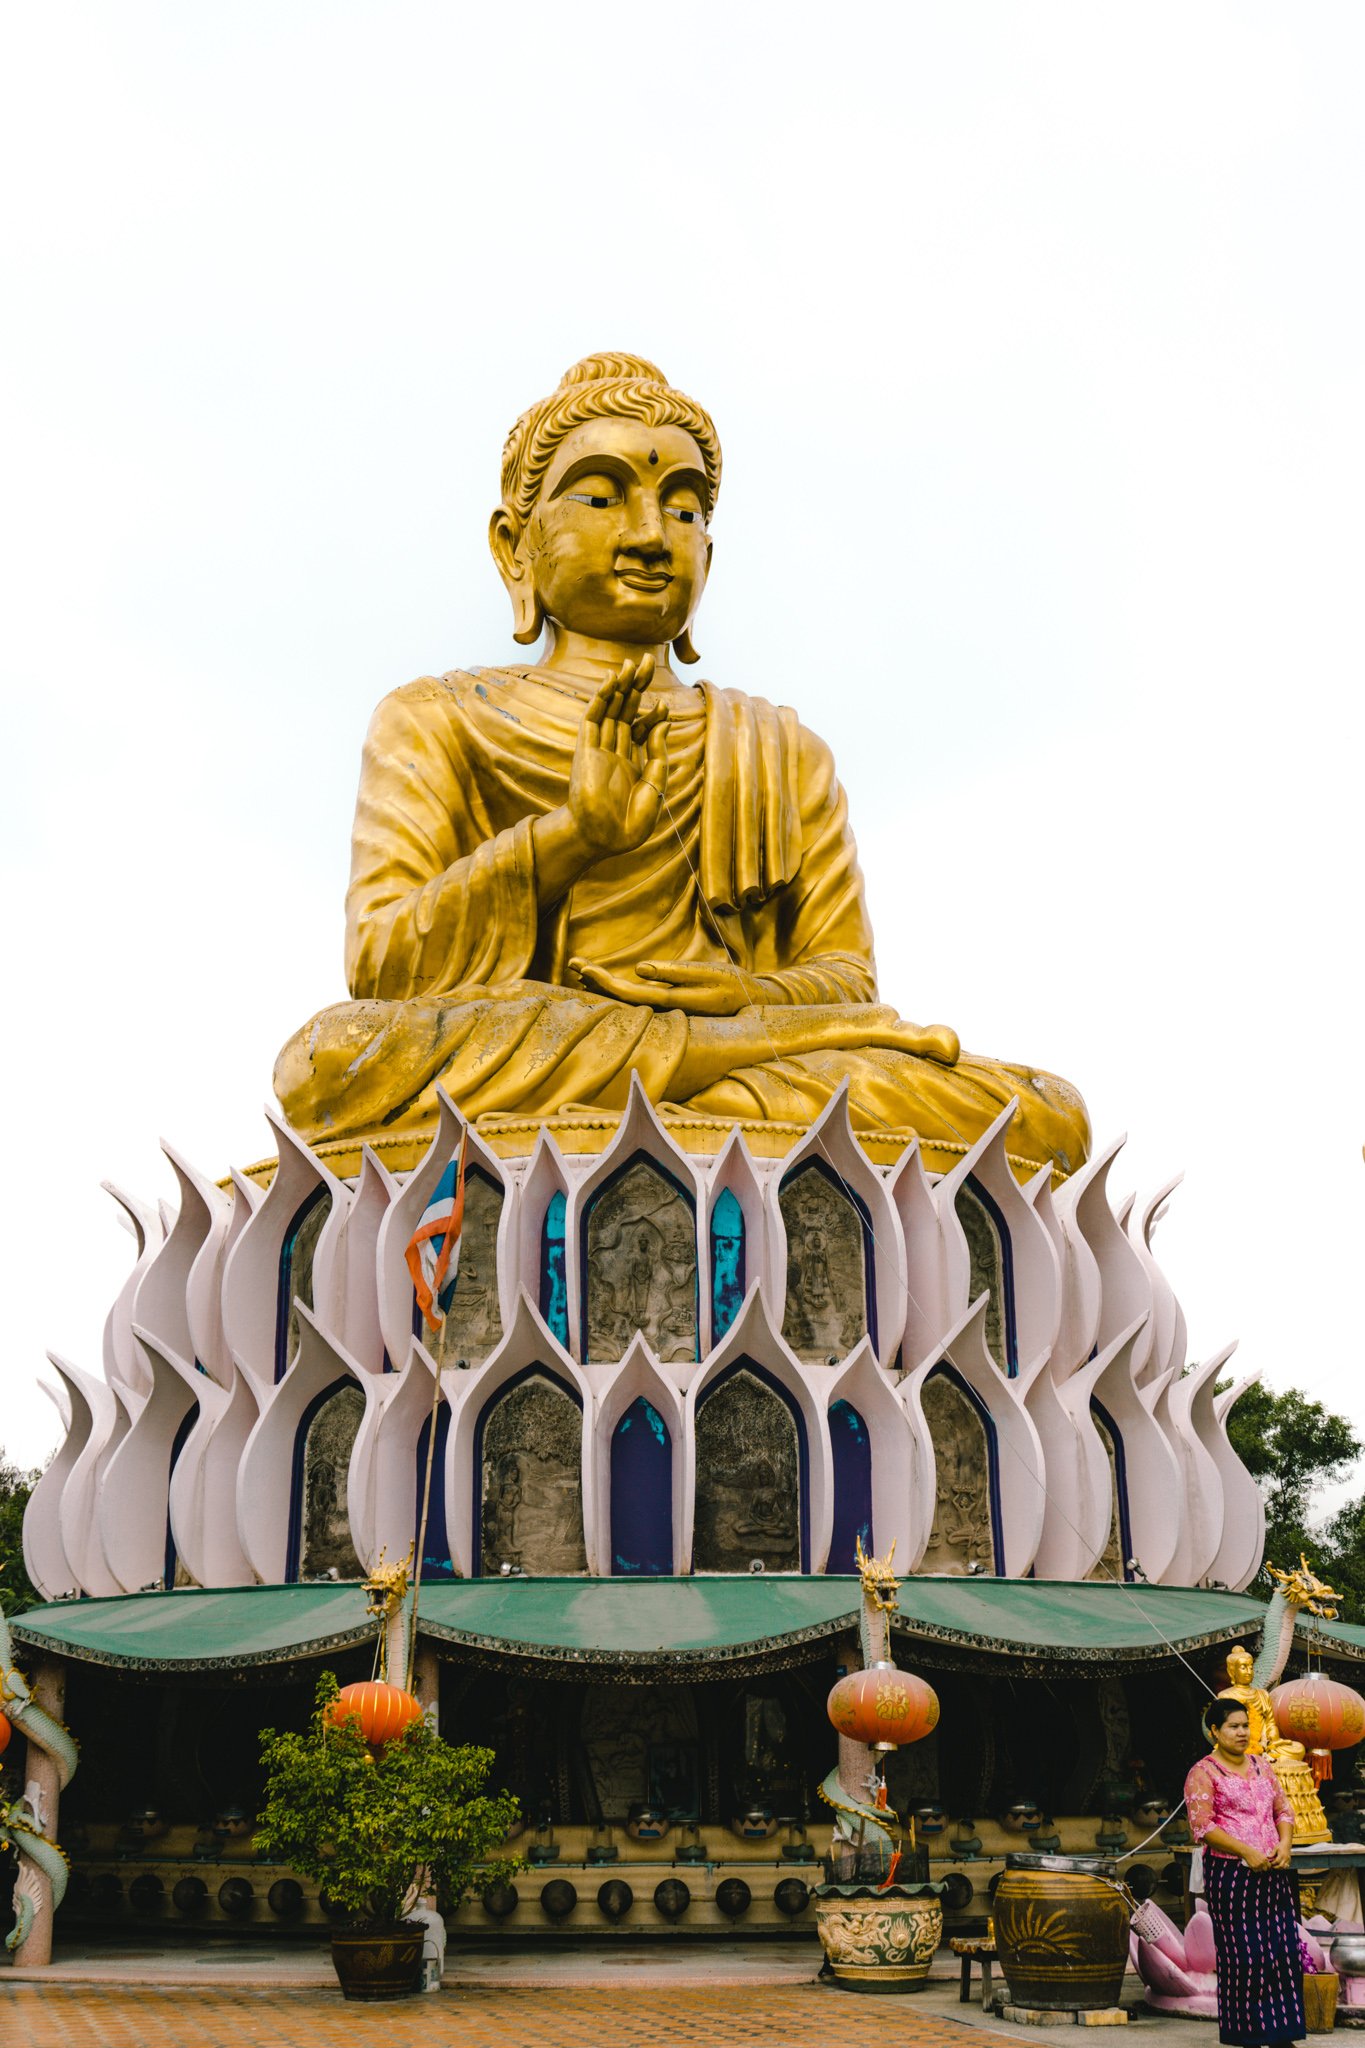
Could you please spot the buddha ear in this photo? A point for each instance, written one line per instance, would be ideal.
(682, 646)
(505, 538)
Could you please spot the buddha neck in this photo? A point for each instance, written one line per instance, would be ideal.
(592, 661)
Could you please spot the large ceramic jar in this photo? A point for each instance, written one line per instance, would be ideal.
(1061, 1926)
(879, 1940)
(379, 1962)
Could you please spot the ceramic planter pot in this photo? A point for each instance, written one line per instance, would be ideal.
(379, 1962)
(1061, 1926)
(879, 1940)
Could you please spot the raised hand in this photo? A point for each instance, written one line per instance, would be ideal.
(620, 765)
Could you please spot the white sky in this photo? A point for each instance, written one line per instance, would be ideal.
(1034, 337)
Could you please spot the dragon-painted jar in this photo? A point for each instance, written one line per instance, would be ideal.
(879, 1940)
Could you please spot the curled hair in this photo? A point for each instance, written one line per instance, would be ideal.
(1220, 1710)
(600, 387)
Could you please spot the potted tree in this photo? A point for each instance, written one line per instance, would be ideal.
(375, 1825)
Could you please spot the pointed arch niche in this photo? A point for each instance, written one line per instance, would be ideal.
(320, 1540)
(830, 1303)
(966, 1528)
(528, 1478)
(1112, 1562)
(638, 1264)
(992, 1268)
(472, 1328)
(752, 1498)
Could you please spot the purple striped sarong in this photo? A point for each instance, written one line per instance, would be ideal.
(1256, 1936)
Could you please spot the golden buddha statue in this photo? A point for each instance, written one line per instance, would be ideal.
(1286, 1757)
(571, 871)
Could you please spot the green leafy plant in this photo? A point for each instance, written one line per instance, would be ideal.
(369, 1826)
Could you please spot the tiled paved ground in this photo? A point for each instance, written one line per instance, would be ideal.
(61, 2016)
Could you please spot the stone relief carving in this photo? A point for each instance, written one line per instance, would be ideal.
(301, 1269)
(327, 1544)
(748, 1480)
(826, 1307)
(961, 1535)
(473, 1324)
(987, 1268)
(532, 1482)
(642, 1267)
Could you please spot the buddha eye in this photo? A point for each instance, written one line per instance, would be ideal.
(679, 512)
(601, 500)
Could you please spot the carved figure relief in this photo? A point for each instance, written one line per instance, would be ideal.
(532, 1482)
(987, 1269)
(642, 1266)
(961, 1535)
(473, 1324)
(326, 1544)
(620, 1726)
(1109, 1565)
(826, 1306)
(299, 1252)
(748, 1480)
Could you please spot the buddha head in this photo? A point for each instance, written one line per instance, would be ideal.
(608, 487)
(1239, 1665)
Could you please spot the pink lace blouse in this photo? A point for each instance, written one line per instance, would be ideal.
(1249, 1806)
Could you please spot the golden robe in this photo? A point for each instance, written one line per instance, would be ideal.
(459, 978)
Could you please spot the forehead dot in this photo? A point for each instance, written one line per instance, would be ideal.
(653, 457)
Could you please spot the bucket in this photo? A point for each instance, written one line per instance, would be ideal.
(1061, 1927)
(1320, 2001)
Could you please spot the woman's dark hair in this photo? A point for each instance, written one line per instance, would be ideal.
(1220, 1710)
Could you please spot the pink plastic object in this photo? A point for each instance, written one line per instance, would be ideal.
(1180, 1969)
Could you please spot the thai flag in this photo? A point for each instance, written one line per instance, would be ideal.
(433, 1256)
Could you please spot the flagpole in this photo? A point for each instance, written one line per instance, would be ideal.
(456, 1224)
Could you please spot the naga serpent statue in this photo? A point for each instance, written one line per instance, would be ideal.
(20, 1823)
(1295, 1592)
(868, 1828)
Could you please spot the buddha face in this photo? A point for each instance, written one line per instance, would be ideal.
(616, 547)
(1240, 1667)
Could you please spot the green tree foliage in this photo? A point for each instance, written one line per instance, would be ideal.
(1293, 1447)
(364, 1824)
(16, 1590)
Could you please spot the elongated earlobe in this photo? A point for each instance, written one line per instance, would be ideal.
(528, 620)
(683, 647)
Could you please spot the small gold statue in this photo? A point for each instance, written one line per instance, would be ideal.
(582, 868)
(1285, 1756)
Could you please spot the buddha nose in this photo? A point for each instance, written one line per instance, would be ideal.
(644, 532)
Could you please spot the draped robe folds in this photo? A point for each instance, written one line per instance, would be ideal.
(460, 979)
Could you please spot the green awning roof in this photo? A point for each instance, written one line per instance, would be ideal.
(1331, 1638)
(194, 1630)
(684, 1625)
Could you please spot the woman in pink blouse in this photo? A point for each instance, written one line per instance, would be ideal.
(1239, 1813)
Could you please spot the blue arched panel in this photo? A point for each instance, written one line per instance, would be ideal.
(436, 1559)
(187, 1422)
(284, 1298)
(554, 1286)
(852, 1448)
(641, 1492)
(727, 1263)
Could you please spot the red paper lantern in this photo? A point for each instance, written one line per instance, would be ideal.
(883, 1707)
(1321, 1714)
(5, 1732)
(382, 1710)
